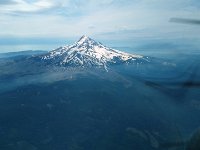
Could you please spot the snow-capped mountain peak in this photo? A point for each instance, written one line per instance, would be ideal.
(83, 39)
(87, 41)
(88, 52)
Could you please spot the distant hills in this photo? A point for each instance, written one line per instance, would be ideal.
(22, 53)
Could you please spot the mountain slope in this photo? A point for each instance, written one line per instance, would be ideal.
(86, 53)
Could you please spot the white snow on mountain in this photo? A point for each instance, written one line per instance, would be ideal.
(87, 52)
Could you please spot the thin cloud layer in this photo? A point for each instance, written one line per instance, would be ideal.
(111, 19)
(22, 6)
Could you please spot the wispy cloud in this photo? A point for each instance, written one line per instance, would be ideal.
(122, 19)
(22, 6)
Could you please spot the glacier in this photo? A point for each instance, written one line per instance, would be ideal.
(86, 52)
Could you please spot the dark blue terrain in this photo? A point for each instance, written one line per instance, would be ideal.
(130, 107)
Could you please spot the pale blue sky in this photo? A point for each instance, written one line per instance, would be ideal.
(117, 21)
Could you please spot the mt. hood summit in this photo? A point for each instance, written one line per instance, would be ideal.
(87, 53)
